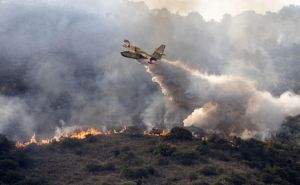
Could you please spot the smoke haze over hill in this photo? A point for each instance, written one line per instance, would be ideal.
(60, 66)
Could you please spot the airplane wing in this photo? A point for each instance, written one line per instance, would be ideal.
(130, 47)
(159, 52)
(133, 55)
(135, 52)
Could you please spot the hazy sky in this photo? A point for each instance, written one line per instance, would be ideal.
(215, 9)
(61, 67)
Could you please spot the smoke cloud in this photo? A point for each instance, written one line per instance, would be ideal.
(61, 68)
(214, 9)
(228, 104)
(15, 111)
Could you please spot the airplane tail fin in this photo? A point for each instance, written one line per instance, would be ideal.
(126, 43)
(159, 52)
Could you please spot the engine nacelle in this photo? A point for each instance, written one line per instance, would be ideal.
(151, 60)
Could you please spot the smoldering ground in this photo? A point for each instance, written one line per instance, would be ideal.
(61, 67)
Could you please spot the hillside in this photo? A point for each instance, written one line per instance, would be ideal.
(127, 159)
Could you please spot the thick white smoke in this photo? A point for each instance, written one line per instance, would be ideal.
(60, 61)
(215, 9)
(15, 110)
(229, 104)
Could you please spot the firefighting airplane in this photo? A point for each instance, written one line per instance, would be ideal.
(138, 54)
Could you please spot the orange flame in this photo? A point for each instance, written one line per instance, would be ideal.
(82, 134)
(233, 142)
(157, 132)
(76, 135)
(204, 138)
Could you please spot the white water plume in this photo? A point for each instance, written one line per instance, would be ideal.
(229, 104)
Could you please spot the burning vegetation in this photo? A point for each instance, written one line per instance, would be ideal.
(83, 134)
(177, 133)
(157, 156)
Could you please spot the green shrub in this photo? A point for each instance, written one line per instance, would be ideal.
(125, 148)
(180, 134)
(22, 158)
(164, 149)
(5, 145)
(255, 152)
(199, 182)
(193, 176)
(209, 170)
(152, 141)
(103, 183)
(128, 158)
(33, 181)
(277, 175)
(11, 177)
(94, 168)
(203, 149)
(71, 143)
(91, 139)
(219, 142)
(134, 131)
(7, 164)
(137, 172)
(236, 179)
(185, 157)
(220, 155)
(80, 152)
(162, 161)
(129, 183)
(221, 182)
(108, 167)
(270, 178)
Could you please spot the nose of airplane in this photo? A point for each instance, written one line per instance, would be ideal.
(123, 54)
(126, 54)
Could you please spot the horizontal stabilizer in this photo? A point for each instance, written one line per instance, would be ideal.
(159, 52)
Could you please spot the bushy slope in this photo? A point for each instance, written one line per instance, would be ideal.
(138, 159)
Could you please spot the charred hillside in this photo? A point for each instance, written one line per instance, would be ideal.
(177, 158)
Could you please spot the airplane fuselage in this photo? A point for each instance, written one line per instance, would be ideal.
(132, 55)
(135, 52)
